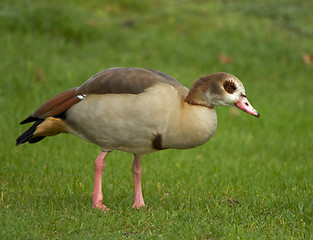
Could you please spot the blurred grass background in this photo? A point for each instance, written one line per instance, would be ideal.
(253, 180)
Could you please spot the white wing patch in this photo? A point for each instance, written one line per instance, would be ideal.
(81, 97)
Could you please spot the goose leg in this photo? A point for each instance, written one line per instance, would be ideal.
(97, 192)
(137, 170)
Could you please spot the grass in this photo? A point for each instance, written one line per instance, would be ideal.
(253, 180)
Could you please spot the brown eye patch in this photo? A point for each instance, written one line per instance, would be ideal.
(229, 86)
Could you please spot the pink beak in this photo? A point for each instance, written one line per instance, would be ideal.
(244, 105)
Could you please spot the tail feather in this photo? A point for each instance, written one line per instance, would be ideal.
(36, 139)
(27, 135)
(49, 118)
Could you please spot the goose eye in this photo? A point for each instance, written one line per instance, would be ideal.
(229, 87)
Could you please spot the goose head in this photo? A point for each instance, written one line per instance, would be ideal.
(220, 89)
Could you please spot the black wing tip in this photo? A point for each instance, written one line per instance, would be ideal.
(28, 139)
(29, 119)
(23, 138)
(28, 134)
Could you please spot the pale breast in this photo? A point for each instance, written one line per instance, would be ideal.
(194, 126)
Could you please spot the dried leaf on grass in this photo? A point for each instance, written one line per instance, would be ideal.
(39, 75)
(307, 58)
(225, 59)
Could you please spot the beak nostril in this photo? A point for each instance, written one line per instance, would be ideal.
(244, 105)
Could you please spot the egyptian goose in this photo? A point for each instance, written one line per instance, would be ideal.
(138, 111)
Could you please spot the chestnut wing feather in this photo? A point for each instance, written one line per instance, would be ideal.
(54, 106)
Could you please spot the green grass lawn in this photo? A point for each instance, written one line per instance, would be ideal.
(253, 180)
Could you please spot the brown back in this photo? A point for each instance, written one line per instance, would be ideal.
(126, 80)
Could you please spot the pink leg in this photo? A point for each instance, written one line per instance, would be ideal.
(137, 170)
(97, 192)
